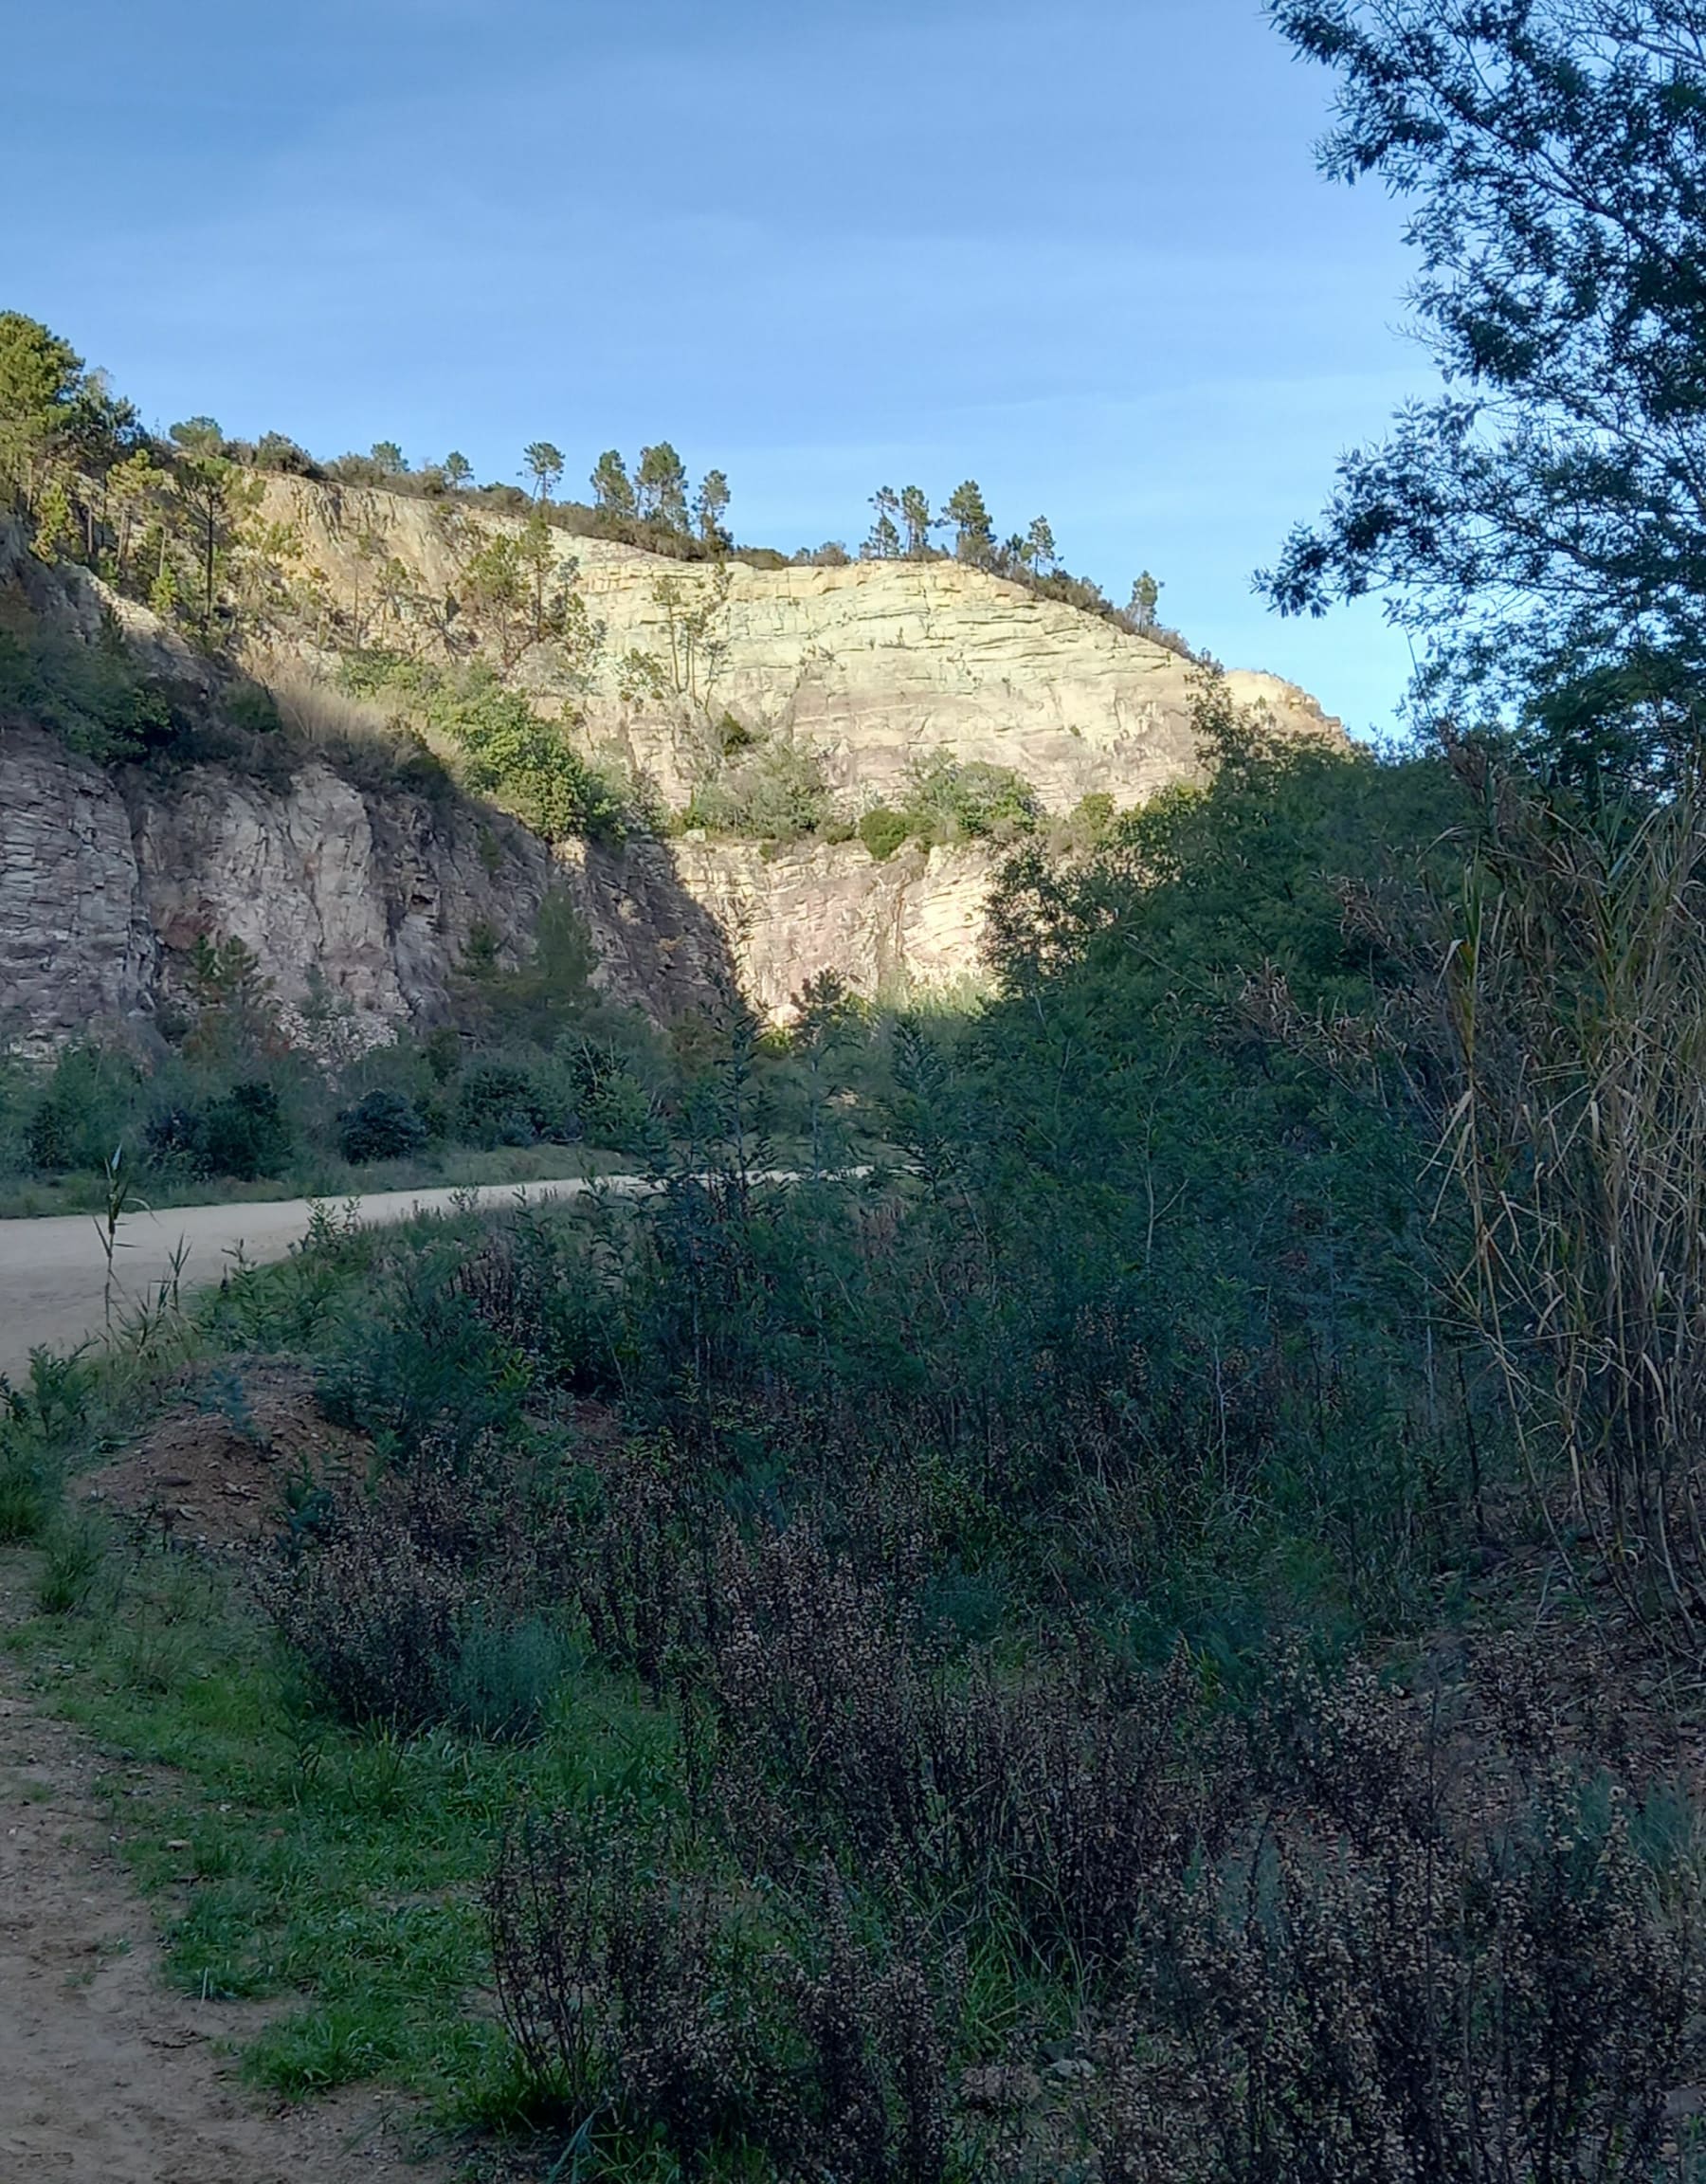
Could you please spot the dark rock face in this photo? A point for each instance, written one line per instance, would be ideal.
(108, 878)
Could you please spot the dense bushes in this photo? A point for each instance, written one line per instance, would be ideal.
(947, 801)
(508, 749)
(80, 1110)
(1412, 1966)
(499, 1104)
(656, 2009)
(766, 787)
(242, 1132)
(882, 830)
(382, 1126)
(393, 1627)
(537, 1056)
(771, 788)
(933, 1533)
(93, 696)
(201, 1119)
(1408, 1930)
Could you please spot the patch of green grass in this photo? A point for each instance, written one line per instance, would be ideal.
(26, 1498)
(71, 1560)
(290, 1857)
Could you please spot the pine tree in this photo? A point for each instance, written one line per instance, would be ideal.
(40, 378)
(884, 542)
(914, 514)
(54, 526)
(612, 489)
(1146, 599)
(973, 535)
(710, 506)
(212, 497)
(544, 466)
(131, 485)
(660, 486)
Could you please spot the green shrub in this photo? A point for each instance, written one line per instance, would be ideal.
(422, 1370)
(174, 1136)
(770, 789)
(91, 696)
(26, 1494)
(618, 1112)
(244, 1133)
(407, 1606)
(382, 1126)
(882, 831)
(82, 1114)
(948, 801)
(504, 1676)
(612, 1103)
(374, 1619)
(500, 1104)
(251, 707)
(508, 750)
(58, 1397)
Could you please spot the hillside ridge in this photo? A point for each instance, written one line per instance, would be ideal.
(875, 664)
(668, 675)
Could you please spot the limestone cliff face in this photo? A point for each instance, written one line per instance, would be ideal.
(913, 925)
(76, 948)
(107, 877)
(875, 665)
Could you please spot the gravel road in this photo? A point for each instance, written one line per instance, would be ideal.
(53, 1271)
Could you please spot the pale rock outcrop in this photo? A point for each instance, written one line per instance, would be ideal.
(108, 876)
(107, 880)
(902, 929)
(876, 666)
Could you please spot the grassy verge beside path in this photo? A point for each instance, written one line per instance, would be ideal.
(293, 1861)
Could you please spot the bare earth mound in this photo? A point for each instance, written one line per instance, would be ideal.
(216, 1470)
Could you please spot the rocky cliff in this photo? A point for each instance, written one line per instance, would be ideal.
(875, 665)
(108, 877)
(109, 874)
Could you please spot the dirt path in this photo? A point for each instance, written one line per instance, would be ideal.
(53, 1273)
(106, 2076)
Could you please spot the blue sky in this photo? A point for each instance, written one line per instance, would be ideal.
(1080, 253)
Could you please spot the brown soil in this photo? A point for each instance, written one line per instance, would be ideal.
(107, 2076)
(215, 1468)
